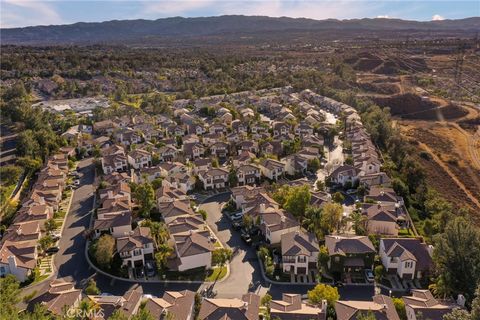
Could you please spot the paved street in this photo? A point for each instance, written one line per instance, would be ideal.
(70, 260)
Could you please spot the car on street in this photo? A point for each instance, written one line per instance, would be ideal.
(52, 250)
(76, 183)
(369, 275)
(150, 269)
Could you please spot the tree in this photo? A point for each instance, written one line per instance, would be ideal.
(203, 213)
(162, 254)
(45, 242)
(297, 201)
(400, 308)
(143, 314)
(215, 163)
(369, 315)
(358, 221)
(331, 217)
(323, 292)
(338, 197)
(118, 315)
(320, 185)
(247, 221)
(50, 225)
(158, 231)
(9, 297)
(105, 250)
(88, 308)
(475, 310)
(379, 272)
(458, 314)
(221, 256)
(145, 197)
(457, 258)
(313, 165)
(92, 288)
(10, 174)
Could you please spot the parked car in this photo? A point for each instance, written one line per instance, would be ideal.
(193, 197)
(76, 183)
(236, 216)
(150, 269)
(246, 237)
(237, 225)
(369, 275)
(52, 250)
(139, 272)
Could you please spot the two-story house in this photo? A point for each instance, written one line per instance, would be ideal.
(299, 252)
(272, 169)
(409, 258)
(139, 158)
(136, 248)
(248, 174)
(214, 178)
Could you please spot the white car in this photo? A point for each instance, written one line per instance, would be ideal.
(237, 216)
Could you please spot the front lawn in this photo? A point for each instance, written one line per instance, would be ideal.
(216, 274)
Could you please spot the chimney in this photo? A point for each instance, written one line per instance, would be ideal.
(262, 207)
(12, 262)
(461, 300)
(283, 218)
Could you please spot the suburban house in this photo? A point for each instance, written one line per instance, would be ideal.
(422, 305)
(60, 296)
(139, 158)
(114, 160)
(174, 209)
(178, 304)
(242, 194)
(246, 308)
(382, 308)
(383, 218)
(248, 174)
(167, 153)
(214, 178)
(275, 222)
(272, 169)
(116, 224)
(299, 252)
(193, 150)
(128, 304)
(219, 149)
(345, 174)
(384, 195)
(193, 250)
(136, 248)
(291, 307)
(349, 254)
(181, 180)
(295, 164)
(18, 258)
(244, 157)
(375, 179)
(409, 258)
(280, 128)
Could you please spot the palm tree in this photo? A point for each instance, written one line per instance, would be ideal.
(163, 252)
(159, 232)
(358, 221)
(88, 309)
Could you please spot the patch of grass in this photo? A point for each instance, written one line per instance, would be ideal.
(30, 296)
(216, 273)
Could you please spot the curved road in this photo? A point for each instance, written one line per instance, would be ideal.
(70, 261)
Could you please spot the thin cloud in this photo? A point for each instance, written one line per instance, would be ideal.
(437, 17)
(16, 12)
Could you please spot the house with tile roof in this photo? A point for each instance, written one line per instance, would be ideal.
(381, 307)
(291, 307)
(422, 305)
(299, 252)
(61, 296)
(246, 308)
(409, 258)
(176, 304)
(136, 247)
(349, 254)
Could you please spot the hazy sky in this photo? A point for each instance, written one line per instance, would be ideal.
(20, 13)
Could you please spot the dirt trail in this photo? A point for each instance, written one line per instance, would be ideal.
(473, 144)
(451, 174)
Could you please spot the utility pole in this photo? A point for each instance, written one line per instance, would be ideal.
(459, 68)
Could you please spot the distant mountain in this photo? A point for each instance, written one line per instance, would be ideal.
(136, 31)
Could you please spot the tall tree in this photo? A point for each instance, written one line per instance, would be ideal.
(9, 297)
(323, 292)
(331, 217)
(297, 201)
(457, 258)
(145, 197)
(105, 250)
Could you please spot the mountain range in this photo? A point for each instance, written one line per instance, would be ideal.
(178, 28)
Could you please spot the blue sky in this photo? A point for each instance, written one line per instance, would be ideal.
(21, 13)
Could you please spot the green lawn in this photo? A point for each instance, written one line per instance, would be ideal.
(216, 274)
